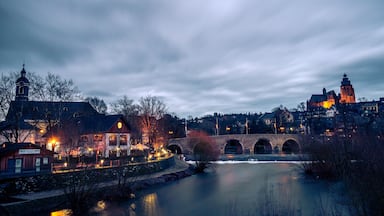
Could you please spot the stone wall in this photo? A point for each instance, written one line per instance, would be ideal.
(59, 180)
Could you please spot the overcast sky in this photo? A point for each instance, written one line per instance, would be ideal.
(200, 56)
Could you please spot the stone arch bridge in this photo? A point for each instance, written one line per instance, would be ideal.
(247, 143)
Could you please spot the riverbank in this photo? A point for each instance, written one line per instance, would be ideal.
(55, 199)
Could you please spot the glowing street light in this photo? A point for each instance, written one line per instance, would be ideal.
(53, 142)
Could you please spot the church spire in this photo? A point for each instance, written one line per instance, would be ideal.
(22, 86)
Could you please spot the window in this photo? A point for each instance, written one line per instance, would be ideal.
(97, 137)
(18, 164)
(84, 139)
(112, 140)
(37, 164)
(21, 90)
(123, 140)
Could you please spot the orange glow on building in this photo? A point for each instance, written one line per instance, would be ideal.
(347, 93)
(325, 100)
(328, 104)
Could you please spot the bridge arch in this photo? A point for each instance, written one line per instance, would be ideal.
(175, 149)
(262, 146)
(291, 146)
(233, 146)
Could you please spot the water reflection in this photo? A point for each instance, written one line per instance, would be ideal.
(233, 189)
(100, 205)
(151, 205)
(63, 212)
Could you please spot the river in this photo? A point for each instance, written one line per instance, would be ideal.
(235, 188)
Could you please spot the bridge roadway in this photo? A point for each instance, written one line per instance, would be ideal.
(247, 143)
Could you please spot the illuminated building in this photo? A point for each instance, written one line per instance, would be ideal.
(329, 99)
(74, 128)
(347, 93)
(325, 100)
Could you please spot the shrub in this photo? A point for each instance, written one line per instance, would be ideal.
(204, 148)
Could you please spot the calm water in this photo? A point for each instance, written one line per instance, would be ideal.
(242, 188)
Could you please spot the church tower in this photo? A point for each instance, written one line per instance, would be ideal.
(347, 94)
(22, 87)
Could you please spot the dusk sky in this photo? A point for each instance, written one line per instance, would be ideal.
(200, 56)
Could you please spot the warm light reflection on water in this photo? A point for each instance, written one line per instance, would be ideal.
(233, 188)
(151, 203)
(64, 212)
(101, 205)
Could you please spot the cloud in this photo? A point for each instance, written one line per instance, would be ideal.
(201, 57)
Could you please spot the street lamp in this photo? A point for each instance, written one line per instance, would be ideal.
(53, 143)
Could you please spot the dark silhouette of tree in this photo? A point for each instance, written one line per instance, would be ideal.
(98, 104)
(125, 107)
(58, 89)
(7, 93)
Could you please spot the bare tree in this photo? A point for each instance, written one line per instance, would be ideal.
(129, 110)
(301, 107)
(37, 87)
(98, 104)
(7, 92)
(151, 110)
(58, 89)
(125, 106)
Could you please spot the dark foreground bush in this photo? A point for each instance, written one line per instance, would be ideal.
(359, 163)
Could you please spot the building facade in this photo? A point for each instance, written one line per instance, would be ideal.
(67, 128)
(24, 158)
(347, 93)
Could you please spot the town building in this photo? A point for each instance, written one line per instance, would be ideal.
(322, 102)
(325, 100)
(322, 109)
(24, 159)
(67, 128)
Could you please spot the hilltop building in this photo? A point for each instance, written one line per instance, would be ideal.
(327, 100)
(323, 108)
(347, 93)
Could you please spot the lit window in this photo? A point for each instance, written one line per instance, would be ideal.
(84, 138)
(112, 140)
(97, 137)
(123, 140)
